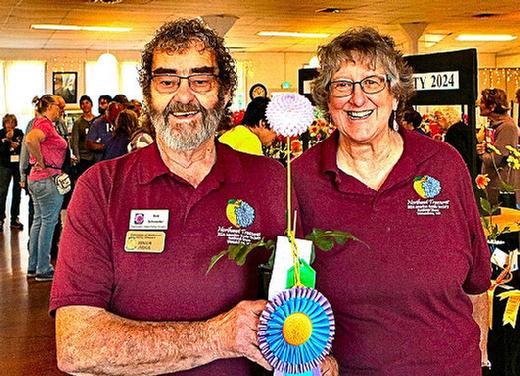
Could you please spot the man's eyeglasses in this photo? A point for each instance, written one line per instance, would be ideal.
(370, 85)
(168, 83)
(57, 105)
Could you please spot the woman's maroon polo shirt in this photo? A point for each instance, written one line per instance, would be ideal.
(400, 304)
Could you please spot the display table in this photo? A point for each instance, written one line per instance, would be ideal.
(504, 340)
(508, 217)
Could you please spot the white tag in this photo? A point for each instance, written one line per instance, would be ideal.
(499, 258)
(149, 219)
(513, 259)
(283, 262)
(15, 158)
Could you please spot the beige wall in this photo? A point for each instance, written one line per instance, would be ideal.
(270, 69)
(64, 61)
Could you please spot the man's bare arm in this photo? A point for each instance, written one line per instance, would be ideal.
(91, 340)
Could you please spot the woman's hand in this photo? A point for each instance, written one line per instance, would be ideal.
(39, 166)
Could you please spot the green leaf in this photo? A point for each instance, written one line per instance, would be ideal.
(215, 259)
(239, 252)
(325, 240)
(486, 206)
(233, 250)
(324, 244)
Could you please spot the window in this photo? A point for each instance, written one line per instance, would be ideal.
(130, 80)
(23, 81)
(112, 78)
(239, 101)
(101, 79)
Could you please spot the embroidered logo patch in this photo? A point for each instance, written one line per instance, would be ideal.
(240, 213)
(426, 186)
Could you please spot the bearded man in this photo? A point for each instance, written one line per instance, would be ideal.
(130, 294)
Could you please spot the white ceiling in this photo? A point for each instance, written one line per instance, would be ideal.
(144, 16)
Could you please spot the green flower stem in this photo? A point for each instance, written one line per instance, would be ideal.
(289, 227)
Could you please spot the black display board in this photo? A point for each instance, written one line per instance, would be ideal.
(448, 78)
(437, 71)
(305, 76)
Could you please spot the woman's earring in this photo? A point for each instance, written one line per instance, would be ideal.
(395, 125)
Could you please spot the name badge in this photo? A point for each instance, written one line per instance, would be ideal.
(145, 241)
(15, 158)
(149, 219)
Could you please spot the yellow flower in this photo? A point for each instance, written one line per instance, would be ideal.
(513, 162)
(482, 181)
(513, 150)
(493, 149)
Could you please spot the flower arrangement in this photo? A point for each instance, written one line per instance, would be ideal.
(237, 117)
(492, 229)
(512, 164)
(290, 115)
(319, 130)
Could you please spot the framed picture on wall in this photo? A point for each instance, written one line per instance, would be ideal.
(66, 85)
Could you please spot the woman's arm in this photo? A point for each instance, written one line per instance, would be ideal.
(74, 140)
(480, 315)
(33, 140)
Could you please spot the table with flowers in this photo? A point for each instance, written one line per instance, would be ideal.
(504, 298)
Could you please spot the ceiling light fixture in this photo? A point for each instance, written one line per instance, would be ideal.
(290, 34)
(81, 28)
(330, 10)
(485, 38)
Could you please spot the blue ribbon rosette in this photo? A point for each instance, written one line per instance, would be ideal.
(296, 331)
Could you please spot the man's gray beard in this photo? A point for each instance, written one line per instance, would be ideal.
(185, 138)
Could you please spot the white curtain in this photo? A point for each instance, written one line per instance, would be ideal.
(240, 99)
(100, 80)
(112, 79)
(23, 81)
(130, 80)
(2, 89)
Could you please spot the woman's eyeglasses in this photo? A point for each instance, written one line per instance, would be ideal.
(369, 85)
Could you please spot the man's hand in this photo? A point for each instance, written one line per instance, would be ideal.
(329, 367)
(481, 148)
(236, 332)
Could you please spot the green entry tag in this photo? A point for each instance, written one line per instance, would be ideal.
(307, 275)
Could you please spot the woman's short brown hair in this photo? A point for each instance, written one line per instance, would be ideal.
(367, 46)
(9, 117)
(496, 98)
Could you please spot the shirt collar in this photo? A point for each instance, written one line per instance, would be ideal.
(152, 166)
(417, 149)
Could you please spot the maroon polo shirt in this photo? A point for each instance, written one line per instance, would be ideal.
(94, 269)
(400, 301)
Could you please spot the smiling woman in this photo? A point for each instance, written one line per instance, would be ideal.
(390, 187)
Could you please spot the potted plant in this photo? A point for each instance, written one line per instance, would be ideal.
(505, 172)
(499, 258)
(290, 115)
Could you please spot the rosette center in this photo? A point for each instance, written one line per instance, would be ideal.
(297, 329)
